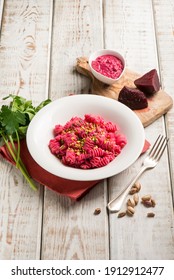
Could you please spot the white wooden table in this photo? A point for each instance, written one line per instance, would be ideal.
(39, 43)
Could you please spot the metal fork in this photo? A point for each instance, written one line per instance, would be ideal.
(149, 162)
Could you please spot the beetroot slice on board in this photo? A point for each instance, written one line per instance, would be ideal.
(148, 83)
(133, 98)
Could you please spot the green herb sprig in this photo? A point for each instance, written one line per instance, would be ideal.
(14, 121)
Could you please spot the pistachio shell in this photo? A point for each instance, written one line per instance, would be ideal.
(121, 214)
(146, 197)
(136, 198)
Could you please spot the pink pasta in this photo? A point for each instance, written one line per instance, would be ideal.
(87, 143)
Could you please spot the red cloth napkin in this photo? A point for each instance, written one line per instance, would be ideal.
(70, 188)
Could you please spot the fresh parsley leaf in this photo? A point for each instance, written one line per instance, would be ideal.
(10, 120)
(42, 104)
(25, 106)
(22, 131)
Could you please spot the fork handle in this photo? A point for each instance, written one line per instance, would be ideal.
(115, 204)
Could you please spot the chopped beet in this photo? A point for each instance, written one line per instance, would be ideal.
(133, 98)
(148, 83)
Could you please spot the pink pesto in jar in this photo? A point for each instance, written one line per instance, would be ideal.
(108, 65)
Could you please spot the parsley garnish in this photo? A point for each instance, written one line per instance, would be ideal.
(14, 121)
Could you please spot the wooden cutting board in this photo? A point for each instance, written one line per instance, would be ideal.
(158, 105)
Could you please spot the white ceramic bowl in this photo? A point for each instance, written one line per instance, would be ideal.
(99, 76)
(40, 131)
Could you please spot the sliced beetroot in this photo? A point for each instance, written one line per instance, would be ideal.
(133, 98)
(148, 83)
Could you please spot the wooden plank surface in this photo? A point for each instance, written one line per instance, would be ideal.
(71, 230)
(165, 42)
(24, 56)
(138, 237)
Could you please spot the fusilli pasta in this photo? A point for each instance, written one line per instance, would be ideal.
(87, 143)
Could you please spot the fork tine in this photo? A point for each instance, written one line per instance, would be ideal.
(165, 142)
(158, 147)
(155, 145)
